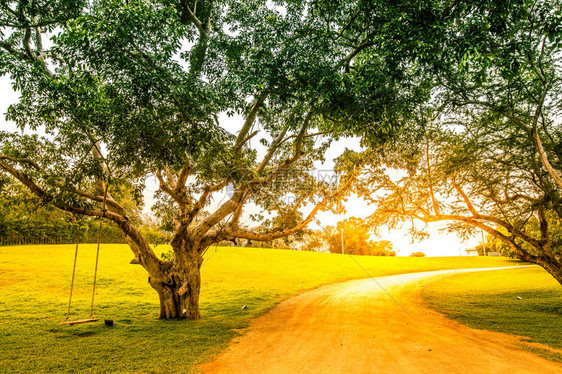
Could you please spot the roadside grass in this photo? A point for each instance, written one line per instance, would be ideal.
(35, 282)
(489, 300)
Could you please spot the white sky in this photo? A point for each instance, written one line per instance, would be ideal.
(438, 244)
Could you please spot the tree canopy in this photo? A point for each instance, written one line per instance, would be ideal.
(126, 90)
(485, 152)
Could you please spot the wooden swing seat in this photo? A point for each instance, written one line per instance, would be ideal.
(87, 320)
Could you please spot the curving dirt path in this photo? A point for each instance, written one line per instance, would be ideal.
(355, 327)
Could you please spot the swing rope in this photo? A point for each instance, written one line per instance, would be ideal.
(91, 318)
(98, 253)
(73, 271)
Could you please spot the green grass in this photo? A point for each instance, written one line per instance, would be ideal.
(34, 286)
(488, 300)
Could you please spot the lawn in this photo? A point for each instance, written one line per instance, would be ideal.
(526, 301)
(35, 280)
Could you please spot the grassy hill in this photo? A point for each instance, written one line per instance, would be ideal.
(35, 281)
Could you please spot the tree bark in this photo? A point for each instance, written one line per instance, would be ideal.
(178, 282)
(544, 159)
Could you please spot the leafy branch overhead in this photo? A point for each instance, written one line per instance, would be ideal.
(485, 153)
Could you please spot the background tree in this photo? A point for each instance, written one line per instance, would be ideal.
(312, 241)
(486, 154)
(474, 179)
(131, 89)
(22, 215)
(355, 233)
(417, 254)
(494, 244)
(382, 248)
(24, 218)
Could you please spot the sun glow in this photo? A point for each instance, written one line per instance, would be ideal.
(439, 243)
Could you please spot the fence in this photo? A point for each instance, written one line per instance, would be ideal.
(37, 240)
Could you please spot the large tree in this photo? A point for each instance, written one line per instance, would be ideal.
(472, 178)
(126, 90)
(486, 154)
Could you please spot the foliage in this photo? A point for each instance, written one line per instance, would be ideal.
(495, 245)
(484, 154)
(355, 234)
(473, 183)
(152, 229)
(532, 228)
(382, 248)
(417, 254)
(313, 241)
(167, 255)
(22, 214)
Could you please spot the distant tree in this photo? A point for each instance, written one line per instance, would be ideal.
(417, 254)
(472, 181)
(494, 244)
(382, 248)
(23, 214)
(356, 239)
(153, 232)
(354, 233)
(313, 241)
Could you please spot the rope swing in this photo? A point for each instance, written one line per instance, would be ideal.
(90, 318)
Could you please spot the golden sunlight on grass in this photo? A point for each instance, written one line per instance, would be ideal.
(35, 281)
(526, 301)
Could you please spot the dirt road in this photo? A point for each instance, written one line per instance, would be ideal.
(356, 327)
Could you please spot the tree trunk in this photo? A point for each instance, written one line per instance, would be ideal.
(178, 282)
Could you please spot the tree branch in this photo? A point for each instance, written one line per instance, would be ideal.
(164, 185)
(256, 104)
(223, 211)
(193, 18)
(272, 149)
(183, 175)
(24, 160)
(432, 193)
(308, 135)
(112, 204)
(170, 176)
(8, 47)
(544, 159)
(238, 211)
(234, 231)
(347, 60)
(474, 222)
(466, 199)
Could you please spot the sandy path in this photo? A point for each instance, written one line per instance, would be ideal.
(355, 327)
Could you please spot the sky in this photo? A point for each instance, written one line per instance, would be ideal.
(438, 244)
